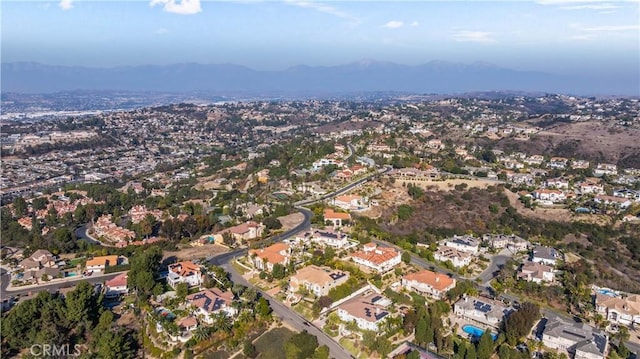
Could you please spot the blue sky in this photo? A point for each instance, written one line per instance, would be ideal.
(560, 36)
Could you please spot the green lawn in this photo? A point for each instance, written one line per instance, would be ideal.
(348, 344)
(271, 344)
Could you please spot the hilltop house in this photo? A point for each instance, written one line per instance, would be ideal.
(99, 264)
(545, 255)
(316, 280)
(350, 202)
(619, 310)
(380, 259)
(117, 286)
(467, 244)
(368, 311)
(536, 272)
(456, 257)
(482, 310)
(326, 237)
(428, 283)
(184, 272)
(336, 218)
(266, 258)
(578, 339)
(209, 302)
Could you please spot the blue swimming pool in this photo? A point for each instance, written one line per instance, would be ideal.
(608, 292)
(475, 331)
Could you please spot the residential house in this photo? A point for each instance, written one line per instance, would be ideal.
(116, 286)
(619, 202)
(350, 202)
(549, 195)
(482, 310)
(513, 242)
(534, 160)
(545, 255)
(245, 231)
(579, 164)
(605, 169)
(41, 258)
(325, 237)
(210, 302)
(580, 340)
(456, 257)
(187, 325)
(536, 272)
(266, 258)
(557, 183)
(467, 244)
(368, 311)
(184, 272)
(336, 218)
(380, 259)
(428, 283)
(99, 264)
(627, 193)
(558, 162)
(317, 280)
(619, 310)
(591, 188)
(414, 174)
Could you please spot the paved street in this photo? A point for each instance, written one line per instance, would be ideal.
(292, 318)
(52, 287)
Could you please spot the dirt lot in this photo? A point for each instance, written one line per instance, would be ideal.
(291, 220)
(189, 253)
(555, 214)
(590, 140)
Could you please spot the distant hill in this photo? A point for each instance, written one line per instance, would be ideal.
(364, 76)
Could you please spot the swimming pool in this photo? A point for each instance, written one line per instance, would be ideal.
(608, 292)
(475, 331)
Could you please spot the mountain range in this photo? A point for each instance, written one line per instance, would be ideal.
(363, 76)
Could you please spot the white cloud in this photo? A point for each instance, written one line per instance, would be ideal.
(611, 28)
(473, 36)
(603, 6)
(415, 23)
(576, 2)
(581, 37)
(161, 31)
(327, 9)
(65, 4)
(181, 7)
(393, 24)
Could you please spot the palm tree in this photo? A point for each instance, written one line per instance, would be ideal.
(201, 333)
(223, 322)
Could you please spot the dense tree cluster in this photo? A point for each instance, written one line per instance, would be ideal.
(77, 318)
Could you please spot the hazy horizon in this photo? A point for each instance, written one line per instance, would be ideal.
(555, 36)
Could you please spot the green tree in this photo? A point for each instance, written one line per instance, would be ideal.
(300, 346)
(406, 257)
(248, 349)
(82, 304)
(20, 206)
(404, 212)
(143, 268)
(278, 271)
(485, 345)
(322, 352)
(182, 290)
(471, 352)
(421, 332)
(262, 308)
(114, 344)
